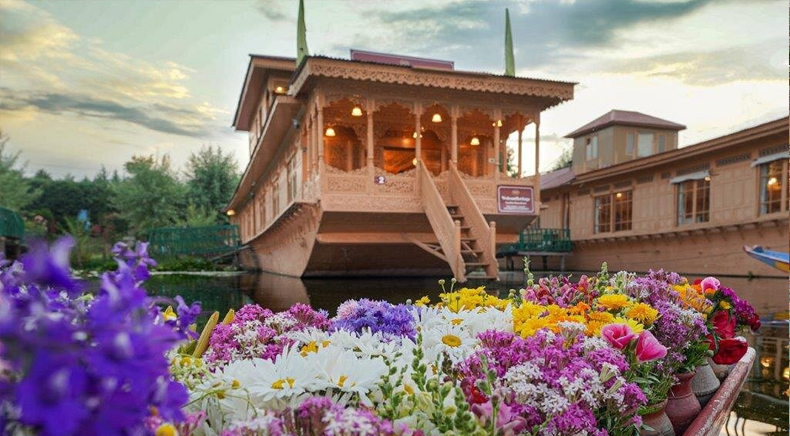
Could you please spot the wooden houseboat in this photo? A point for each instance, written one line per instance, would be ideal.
(384, 165)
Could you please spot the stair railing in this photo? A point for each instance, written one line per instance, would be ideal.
(447, 231)
(479, 229)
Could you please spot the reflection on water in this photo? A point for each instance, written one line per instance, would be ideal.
(762, 406)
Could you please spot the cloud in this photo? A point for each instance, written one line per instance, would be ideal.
(174, 120)
(759, 61)
(272, 10)
(51, 69)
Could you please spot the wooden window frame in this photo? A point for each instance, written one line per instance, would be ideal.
(652, 146)
(783, 198)
(694, 201)
(612, 225)
(588, 144)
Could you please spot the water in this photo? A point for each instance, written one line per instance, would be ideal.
(762, 407)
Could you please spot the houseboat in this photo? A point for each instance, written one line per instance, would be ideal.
(384, 165)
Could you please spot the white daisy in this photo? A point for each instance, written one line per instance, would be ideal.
(454, 340)
(344, 372)
(284, 381)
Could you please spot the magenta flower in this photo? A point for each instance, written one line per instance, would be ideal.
(648, 348)
(710, 283)
(617, 335)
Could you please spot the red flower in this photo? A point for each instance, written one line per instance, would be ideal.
(723, 324)
(730, 351)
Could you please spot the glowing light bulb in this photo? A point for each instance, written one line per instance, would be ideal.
(414, 161)
(279, 90)
(330, 132)
(619, 195)
(231, 212)
(474, 141)
(437, 118)
(772, 181)
(707, 178)
(356, 112)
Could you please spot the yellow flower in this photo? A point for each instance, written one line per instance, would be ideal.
(596, 320)
(725, 305)
(451, 340)
(468, 298)
(424, 301)
(642, 312)
(166, 429)
(614, 301)
(635, 326)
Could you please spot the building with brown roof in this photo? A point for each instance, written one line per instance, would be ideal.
(689, 209)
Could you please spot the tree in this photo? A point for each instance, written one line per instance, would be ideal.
(16, 192)
(211, 179)
(564, 161)
(151, 196)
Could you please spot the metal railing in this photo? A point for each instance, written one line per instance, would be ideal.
(540, 240)
(193, 241)
(11, 224)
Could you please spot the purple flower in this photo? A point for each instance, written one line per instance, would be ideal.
(377, 316)
(82, 366)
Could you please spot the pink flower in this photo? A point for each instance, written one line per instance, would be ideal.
(710, 283)
(648, 348)
(617, 335)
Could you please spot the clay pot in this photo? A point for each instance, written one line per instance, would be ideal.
(721, 371)
(704, 384)
(657, 421)
(682, 405)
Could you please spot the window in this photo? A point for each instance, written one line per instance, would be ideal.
(614, 211)
(662, 143)
(645, 145)
(629, 144)
(694, 201)
(623, 210)
(591, 149)
(773, 184)
(603, 214)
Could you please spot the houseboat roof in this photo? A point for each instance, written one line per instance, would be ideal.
(565, 176)
(381, 69)
(626, 118)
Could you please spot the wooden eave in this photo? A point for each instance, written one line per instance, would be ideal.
(690, 152)
(277, 126)
(257, 73)
(554, 92)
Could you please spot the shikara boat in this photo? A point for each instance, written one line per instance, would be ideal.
(776, 259)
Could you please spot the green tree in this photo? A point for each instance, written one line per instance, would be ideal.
(17, 192)
(151, 196)
(211, 179)
(564, 161)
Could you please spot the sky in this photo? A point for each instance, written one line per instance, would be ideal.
(86, 84)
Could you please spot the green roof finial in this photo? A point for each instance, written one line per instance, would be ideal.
(301, 36)
(510, 63)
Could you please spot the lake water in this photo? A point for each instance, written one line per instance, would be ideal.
(762, 406)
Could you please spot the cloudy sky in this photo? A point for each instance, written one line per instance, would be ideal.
(88, 83)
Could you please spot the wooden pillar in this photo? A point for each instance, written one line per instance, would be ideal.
(371, 107)
(417, 132)
(497, 149)
(537, 147)
(444, 158)
(349, 155)
(454, 135)
(520, 130)
(320, 124)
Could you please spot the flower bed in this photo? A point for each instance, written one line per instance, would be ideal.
(558, 357)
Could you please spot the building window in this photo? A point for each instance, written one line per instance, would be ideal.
(772, 185)
(603, 214)
(614, 212)
(694, 201)
(662, 143)
(644, 146)
(629, 144)
(591, 149)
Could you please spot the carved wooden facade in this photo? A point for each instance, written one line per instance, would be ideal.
(350, 141)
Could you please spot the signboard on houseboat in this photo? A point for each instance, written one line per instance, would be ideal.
(515, 199)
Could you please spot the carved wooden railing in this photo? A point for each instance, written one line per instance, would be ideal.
(479, 229)
(447, 232)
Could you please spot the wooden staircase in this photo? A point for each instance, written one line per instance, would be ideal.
(464, 240)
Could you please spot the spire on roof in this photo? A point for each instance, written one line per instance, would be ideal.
(510, 63)
(301, 36)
